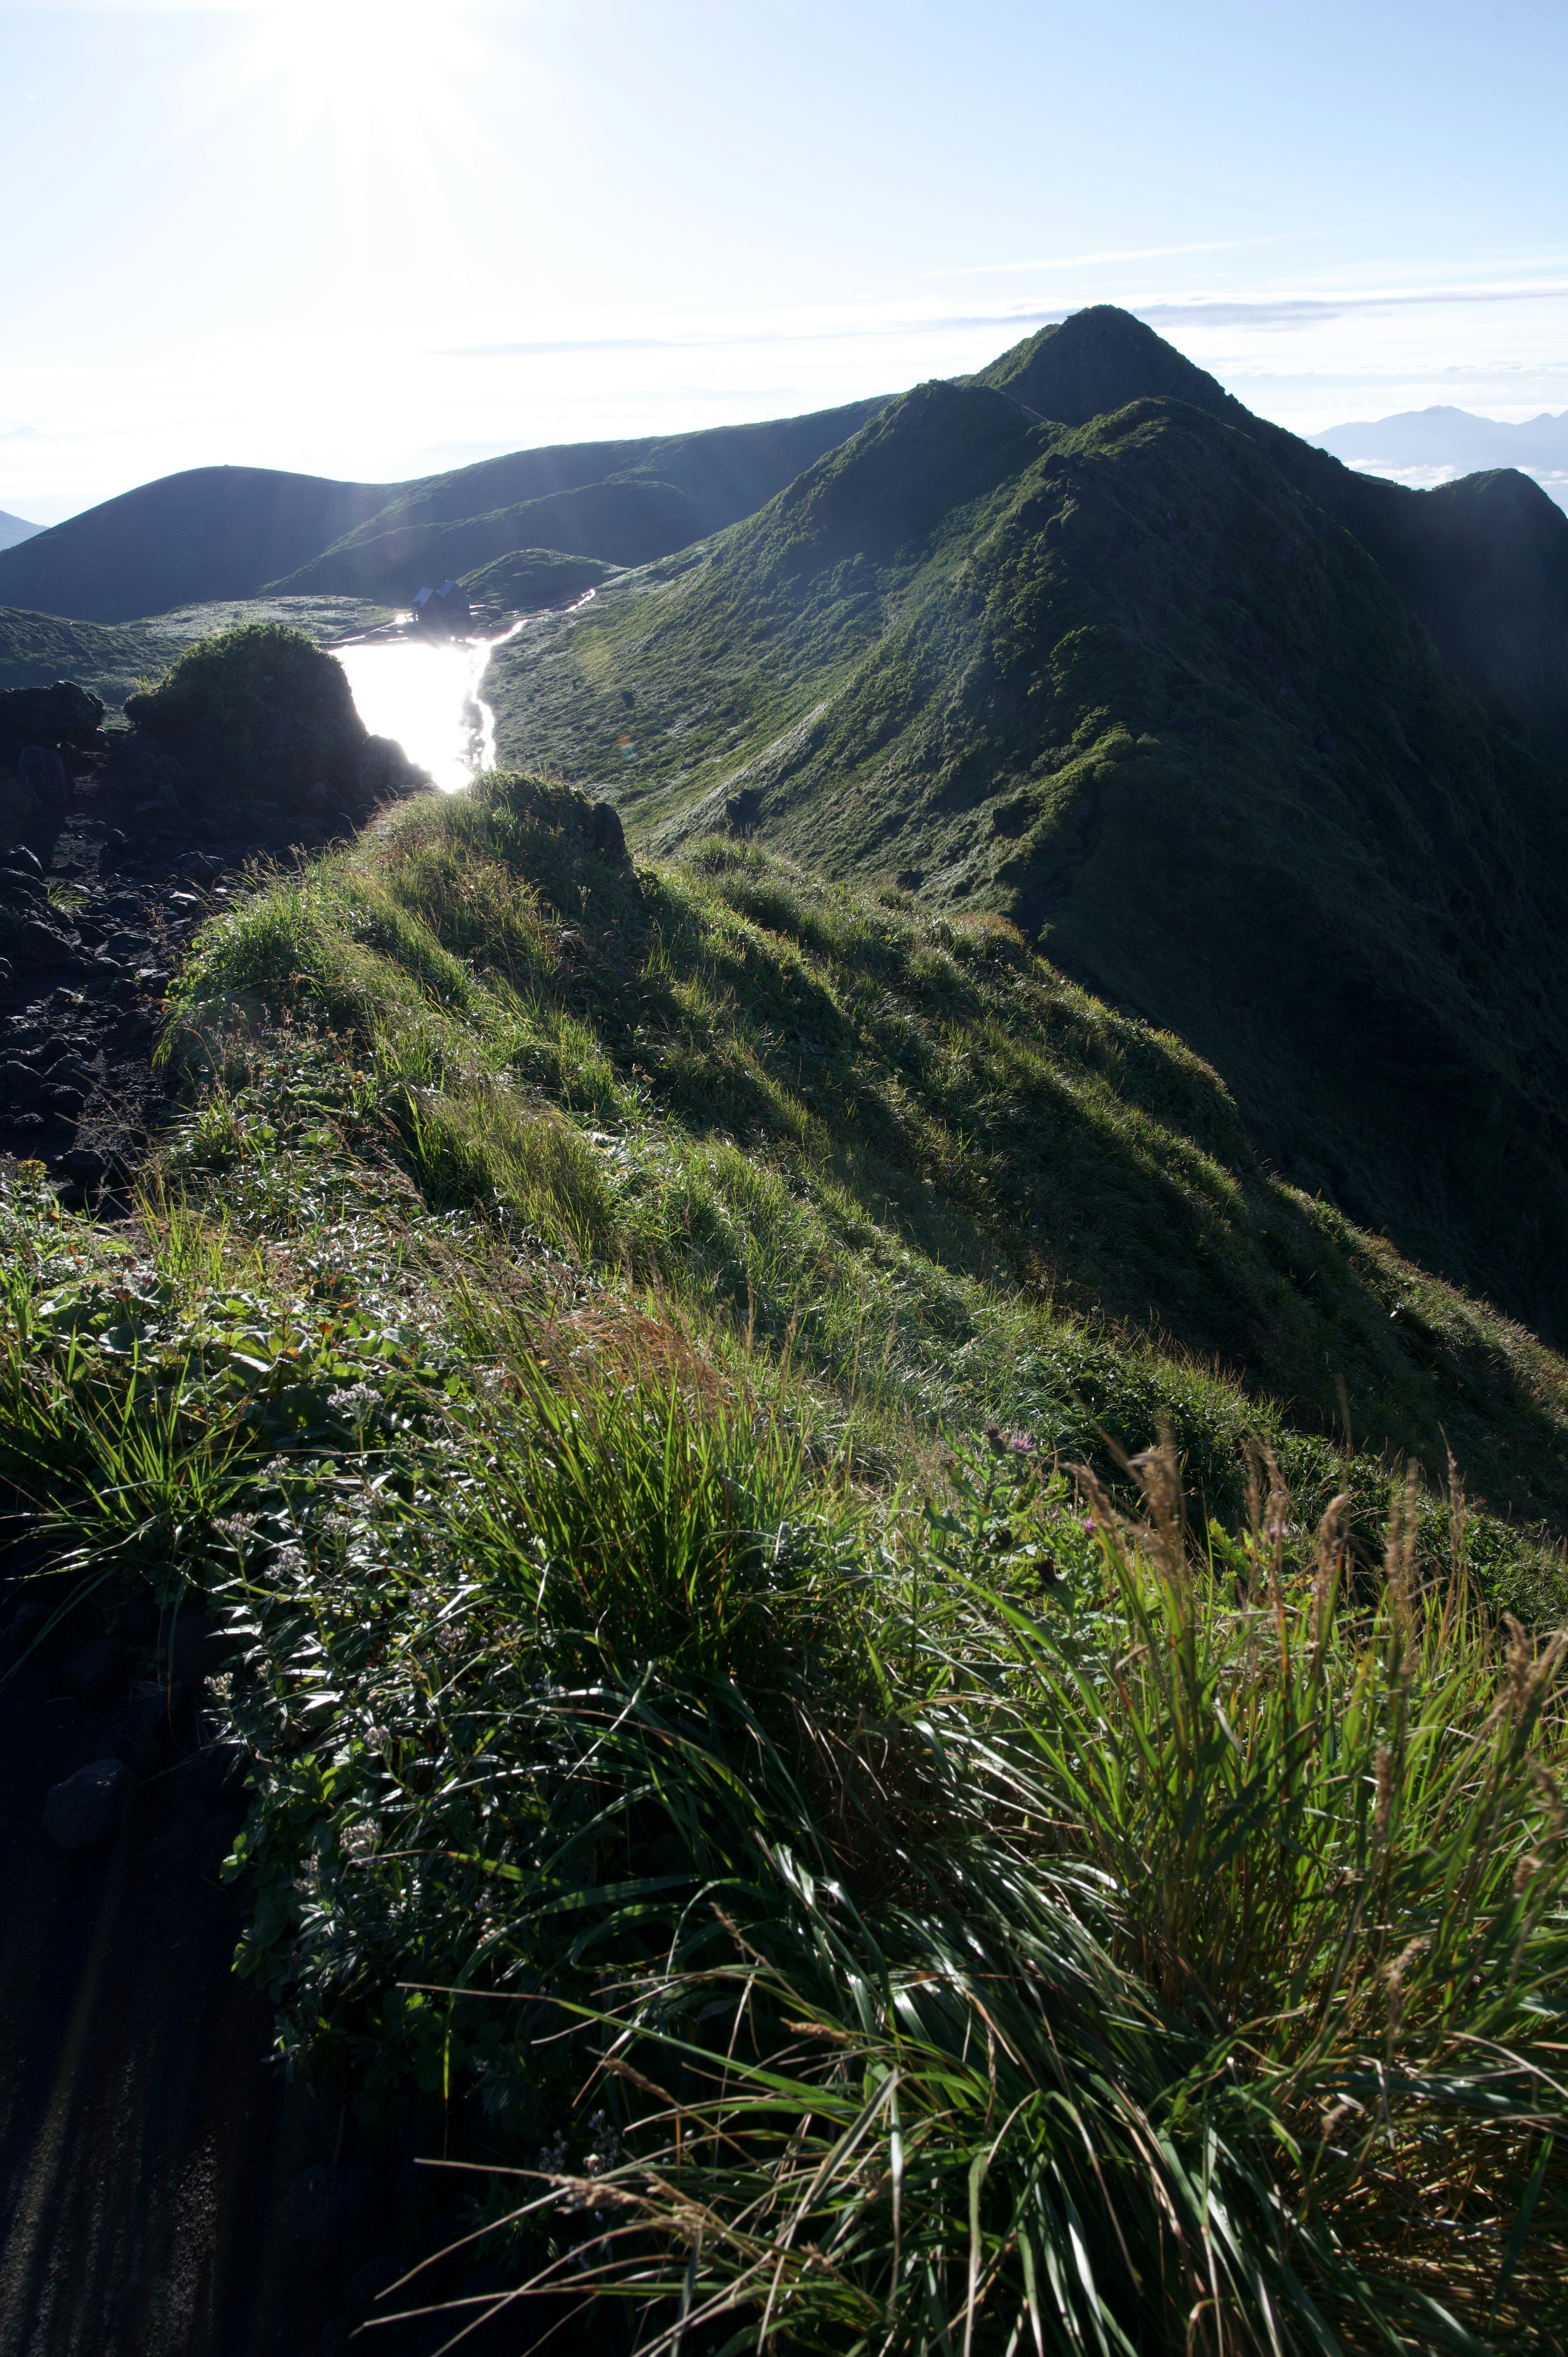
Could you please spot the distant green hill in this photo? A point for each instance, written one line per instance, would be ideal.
(531, 578)
(227, 533)
(37, 648)
(211, 533)
(1128, 682)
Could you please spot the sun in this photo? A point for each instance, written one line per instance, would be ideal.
(383, 80)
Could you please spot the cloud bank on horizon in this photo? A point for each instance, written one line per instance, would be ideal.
(372, 238)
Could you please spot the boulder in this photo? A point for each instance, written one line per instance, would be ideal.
(260, 717)
(90, 1805)
(33, 942)
(40, 771)
(608, 835)
(64, 714)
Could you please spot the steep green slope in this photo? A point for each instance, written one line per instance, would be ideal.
(898, 1146)
(1128, 686)
(531, 578)
(543, 1373)
(1483, 561)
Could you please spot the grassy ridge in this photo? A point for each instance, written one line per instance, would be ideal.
(981, 1897)
(1127, 686)
(903, 1143)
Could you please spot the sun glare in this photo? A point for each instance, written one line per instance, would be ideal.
(385, 80)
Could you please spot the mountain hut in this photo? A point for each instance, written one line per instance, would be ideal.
(445, 608)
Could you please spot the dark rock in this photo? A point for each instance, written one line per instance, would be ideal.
(384, 771)
(40, 771)
(366, 2285)
(608, 836)
(19, 857)
(222, 1769)
(89, 1806)
(67, 1101)
(27, 1625)
(83, 1162)
(182, 1640)
(96, 1672)
(18, 883)
(32, 943)
(214, 1840)
(61, 714)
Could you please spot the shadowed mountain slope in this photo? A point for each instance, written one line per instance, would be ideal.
(616, 522)
(241, 532)
(1484, 560)
(1126, 680)
(214, 532)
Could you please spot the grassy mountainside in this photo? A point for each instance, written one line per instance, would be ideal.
(616, 522)
(35, 648)
(1126, 685)
(241, 532)
(902, 1140)
(211, 533)
(552, 1362)
(1484, 561)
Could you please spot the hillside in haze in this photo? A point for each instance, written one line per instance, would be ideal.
(14, 530)
(1083, 642)
(1432, 441)
(242, 532)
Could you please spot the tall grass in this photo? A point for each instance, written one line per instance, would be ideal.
(1219, 2003)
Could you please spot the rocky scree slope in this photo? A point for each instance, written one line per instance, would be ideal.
(121, 842)
(1129, 684)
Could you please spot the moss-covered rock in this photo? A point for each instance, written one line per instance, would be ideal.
(261, 714)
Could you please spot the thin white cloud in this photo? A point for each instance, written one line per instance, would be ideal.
(1094, 261)
(1309, 310)
(1180, 312)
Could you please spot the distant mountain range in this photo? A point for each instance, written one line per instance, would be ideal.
(14, 530)
(246, 531)
(1428, 441)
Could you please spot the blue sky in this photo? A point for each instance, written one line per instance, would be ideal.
(373, 238)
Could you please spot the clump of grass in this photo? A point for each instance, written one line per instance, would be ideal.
(1221, 2006)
